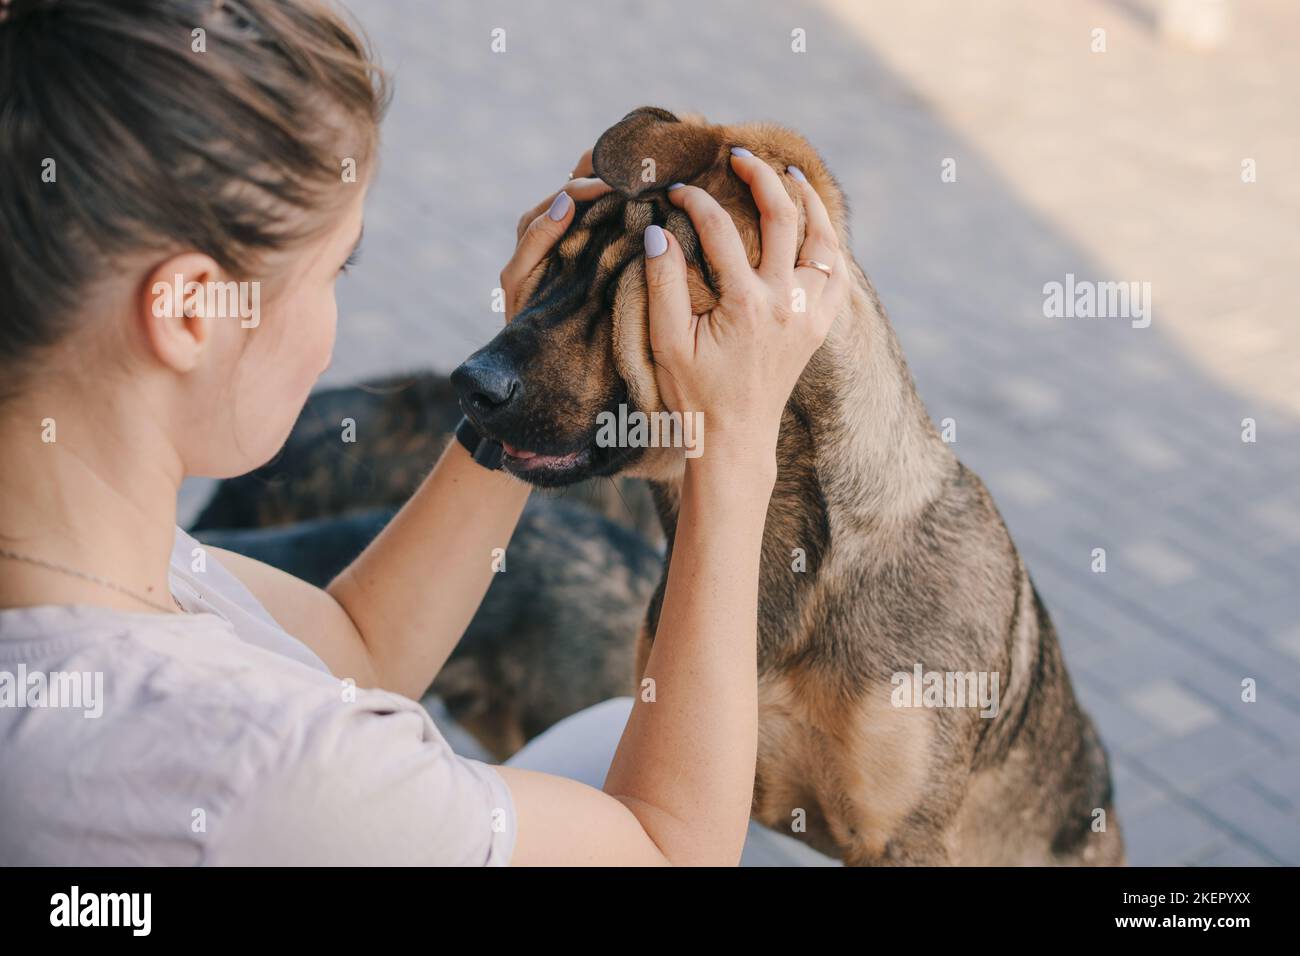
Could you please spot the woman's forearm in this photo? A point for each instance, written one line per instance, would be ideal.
(685, 765)
(412, 593)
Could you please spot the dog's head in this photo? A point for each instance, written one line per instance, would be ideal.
(580, 346)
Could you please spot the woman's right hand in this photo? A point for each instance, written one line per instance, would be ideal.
(738, 363)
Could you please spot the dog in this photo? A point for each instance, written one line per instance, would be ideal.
(884, 560)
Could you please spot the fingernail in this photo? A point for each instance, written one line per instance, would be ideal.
(675, 186)
(559, 207)
(656, 243)
(740, 151)
(797, 173)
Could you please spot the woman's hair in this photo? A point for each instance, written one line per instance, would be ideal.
(221, 126)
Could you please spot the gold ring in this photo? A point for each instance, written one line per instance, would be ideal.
(814, 264)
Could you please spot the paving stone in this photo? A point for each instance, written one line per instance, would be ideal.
(1170, 707)
(1289, 642)
(1134, 793)
(1280, 780)
(1023, 487)
(1029, 396)
(1190, 761)
(1159, 563)
(1278, 515)
(1275, 832)
(1267, 618)
(1233, 854)
(1144, 658)
(1169, 834)
(1122, 729)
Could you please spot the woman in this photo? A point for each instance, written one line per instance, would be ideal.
(171, 704)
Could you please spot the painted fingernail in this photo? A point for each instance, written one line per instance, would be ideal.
(740, 151)
(797, 173)
(656, 243)
(559, 207)
(675, 186)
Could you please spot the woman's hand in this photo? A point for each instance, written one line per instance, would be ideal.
(541, 226)
(738, 363)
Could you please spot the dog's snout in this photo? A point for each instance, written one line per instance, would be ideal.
(487, 384)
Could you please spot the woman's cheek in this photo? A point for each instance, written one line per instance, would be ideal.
(310, 343)
(327, 335)
(302, 356)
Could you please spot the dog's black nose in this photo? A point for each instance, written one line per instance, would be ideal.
(487, 384)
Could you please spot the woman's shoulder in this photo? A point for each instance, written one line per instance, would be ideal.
(123, 665)
(147, 731)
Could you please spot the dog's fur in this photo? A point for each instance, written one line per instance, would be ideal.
(907, 559)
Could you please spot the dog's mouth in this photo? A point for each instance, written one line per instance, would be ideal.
(538, 448)
(548, 468)
(543, 468)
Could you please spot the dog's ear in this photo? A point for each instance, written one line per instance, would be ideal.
(676, 151)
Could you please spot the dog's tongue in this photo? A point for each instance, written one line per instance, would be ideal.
(517, 452)
(531, 459)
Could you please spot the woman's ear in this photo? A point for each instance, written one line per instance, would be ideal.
(175, 309)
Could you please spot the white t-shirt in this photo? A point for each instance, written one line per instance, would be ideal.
(215, 737)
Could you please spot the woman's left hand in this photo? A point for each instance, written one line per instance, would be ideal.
(541, 226)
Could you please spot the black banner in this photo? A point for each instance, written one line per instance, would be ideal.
(367, 905)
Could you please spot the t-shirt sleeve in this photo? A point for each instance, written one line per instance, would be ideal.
(367, 782)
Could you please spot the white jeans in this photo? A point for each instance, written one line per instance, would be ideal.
(581, 747)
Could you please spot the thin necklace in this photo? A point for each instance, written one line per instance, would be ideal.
(93, 579)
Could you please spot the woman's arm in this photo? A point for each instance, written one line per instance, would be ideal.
(412, 593)
(682, 777)
(392, 617)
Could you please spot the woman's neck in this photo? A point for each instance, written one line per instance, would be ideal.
(88, 484)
